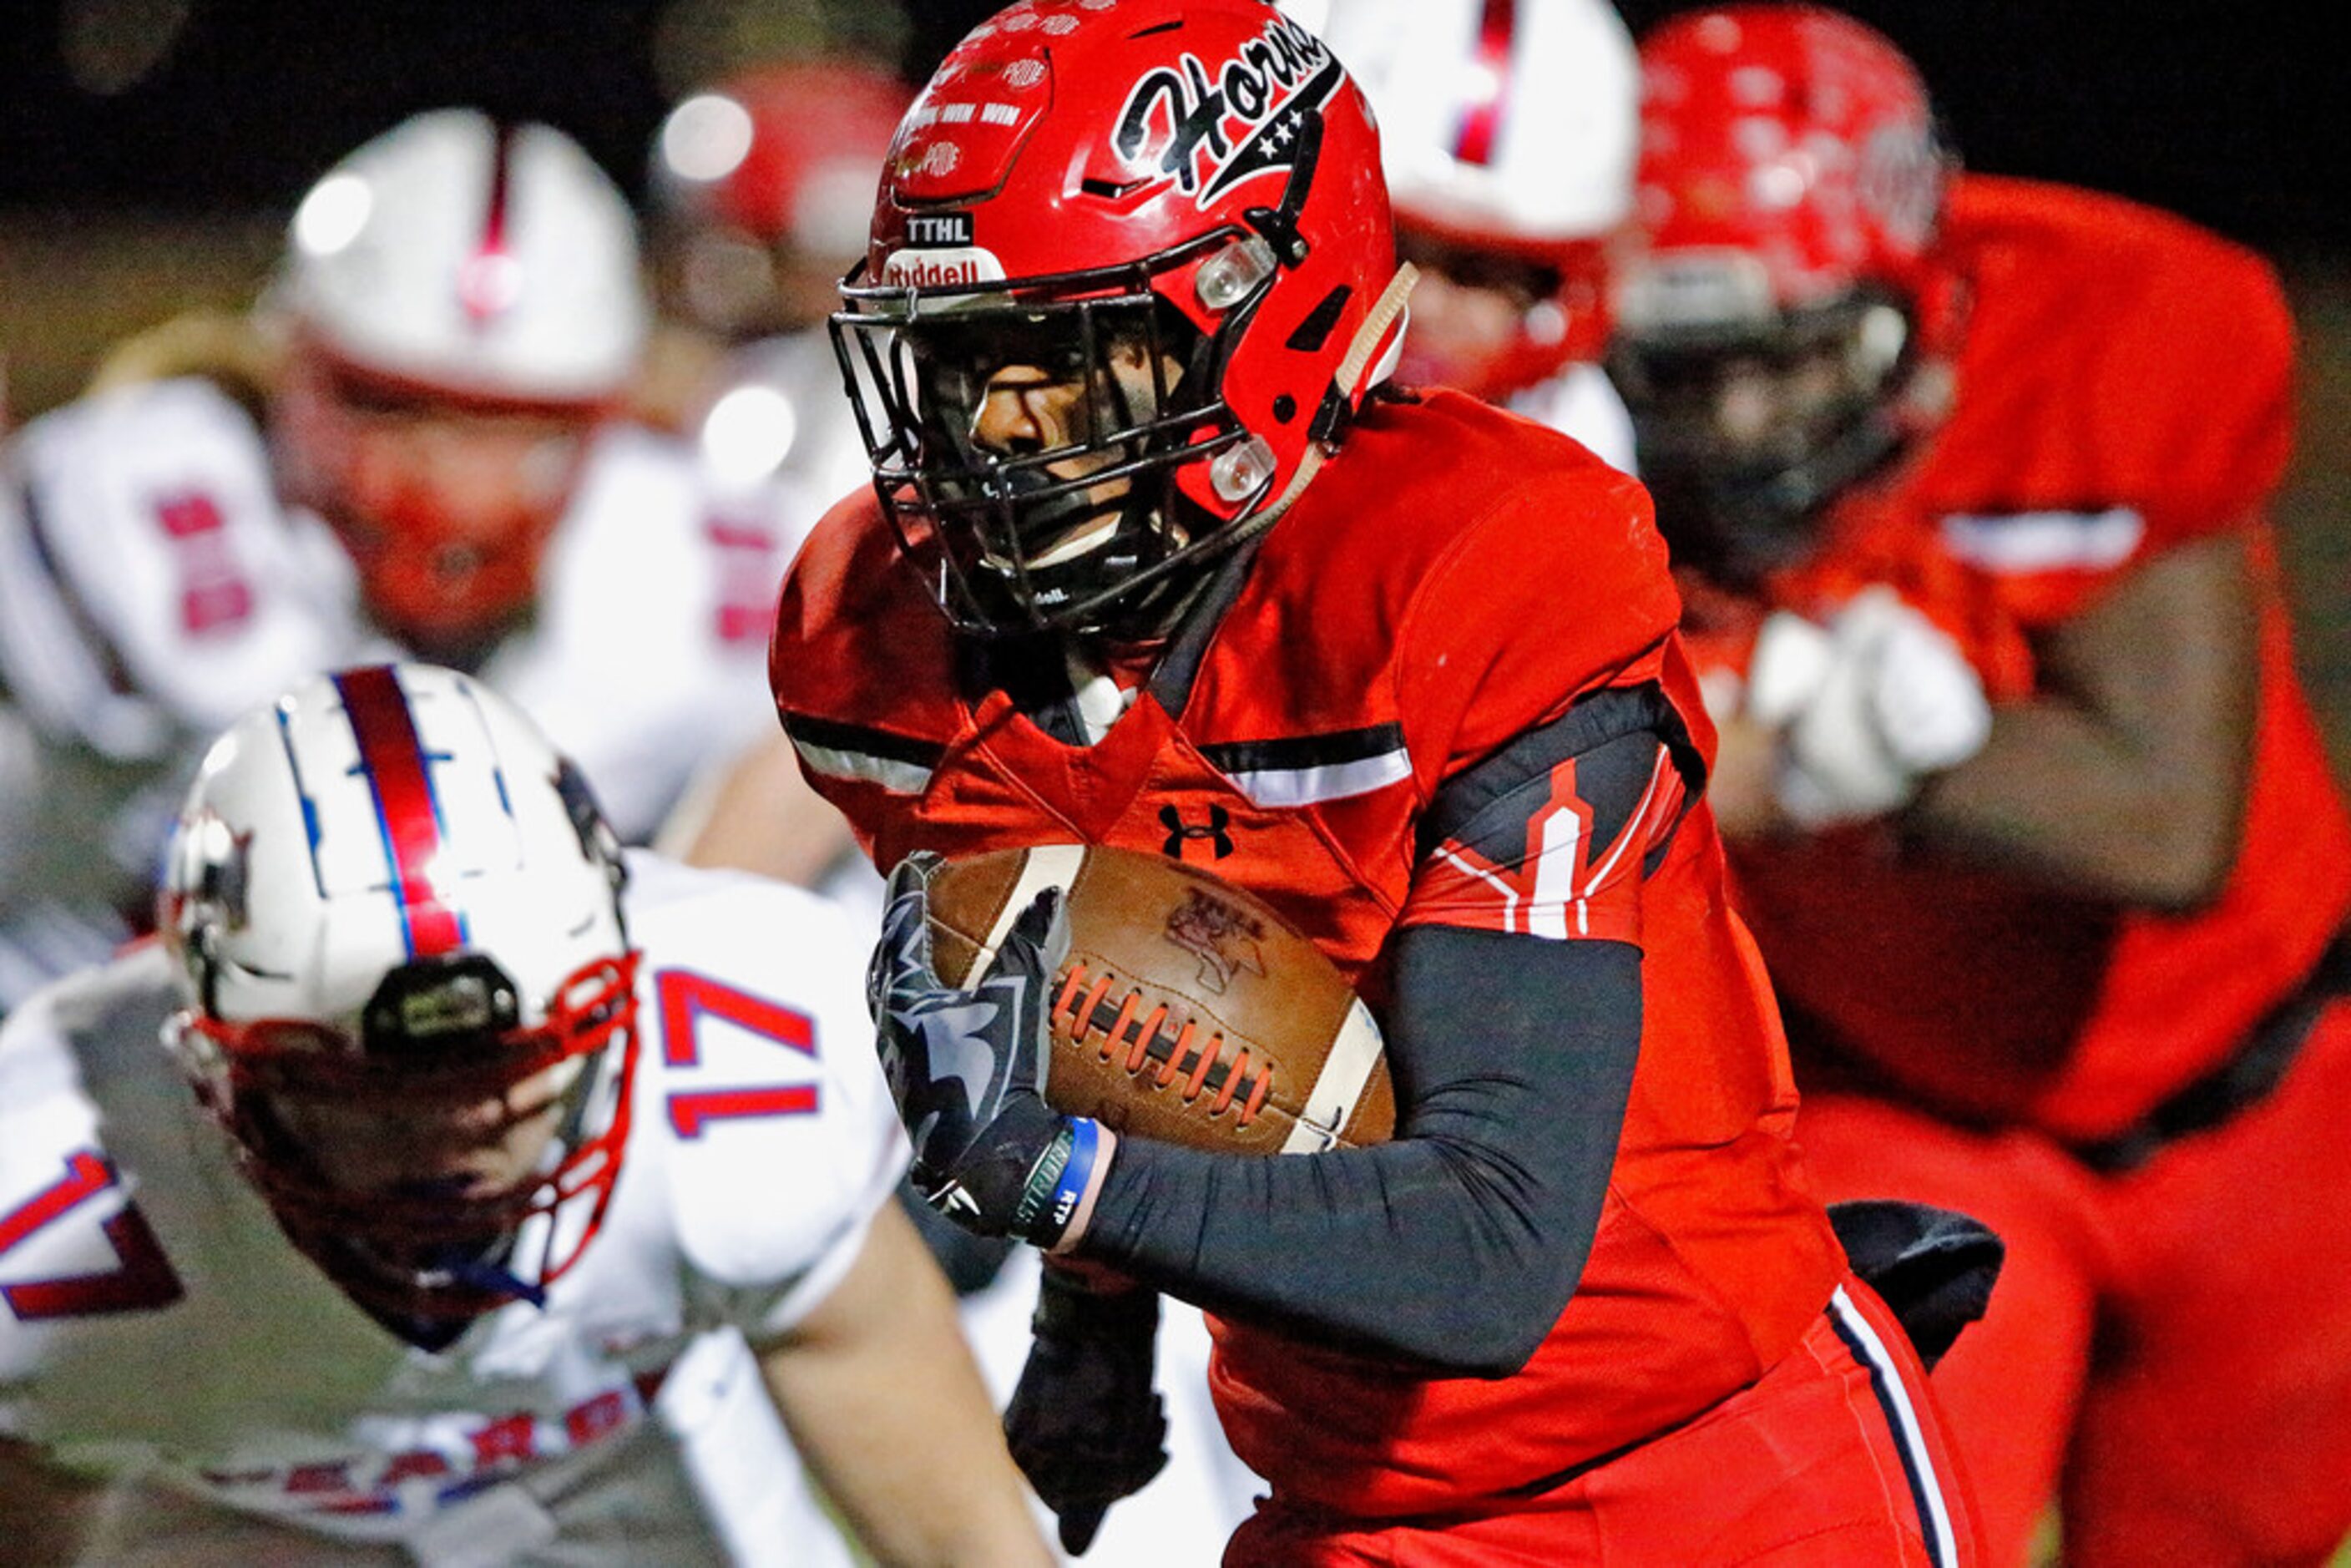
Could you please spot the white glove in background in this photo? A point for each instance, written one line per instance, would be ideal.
(1868, 706)
(1791, 663)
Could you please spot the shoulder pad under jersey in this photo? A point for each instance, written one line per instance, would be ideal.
(648, 654)
(147, 587)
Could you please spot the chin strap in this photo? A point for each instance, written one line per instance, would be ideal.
(1340, 402)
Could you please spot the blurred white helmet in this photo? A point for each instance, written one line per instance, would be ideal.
(1515, 122)
(456, 252)
(388, 895)
(467, 310)
(1508, 130)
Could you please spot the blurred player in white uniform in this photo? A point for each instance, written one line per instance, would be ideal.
(437, 464)
(1508, 135)
(445, 1186)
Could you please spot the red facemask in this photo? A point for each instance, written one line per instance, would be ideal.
(445, 503)
(376, 1243)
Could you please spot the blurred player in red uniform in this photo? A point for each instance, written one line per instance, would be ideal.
(1155, 561)
(761, 186)
(2028, 814)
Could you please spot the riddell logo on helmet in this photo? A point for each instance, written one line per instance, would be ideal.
(942, 268)
(1210, 130)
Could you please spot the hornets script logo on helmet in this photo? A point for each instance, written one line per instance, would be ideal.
(1186, 110)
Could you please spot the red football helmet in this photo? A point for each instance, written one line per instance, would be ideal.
(1769, 335)
(1509, 131)
(1131, 275)
(410, 992)
(763, 188)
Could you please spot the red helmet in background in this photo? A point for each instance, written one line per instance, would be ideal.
(1175, 204)
(763, 190)
(1770, 334)
(465, 310)
(1509, 128)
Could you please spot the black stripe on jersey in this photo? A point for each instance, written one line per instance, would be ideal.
(101, 647)
(879, 743)
(1894, 1403)
(1294, 753)
(1613, 779)
(1171, 682)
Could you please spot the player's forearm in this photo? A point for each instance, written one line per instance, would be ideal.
(1454, 1248)
(757, 813)
(2064, 798)
(45, 1512)
(882, 1396)
(2125, 778)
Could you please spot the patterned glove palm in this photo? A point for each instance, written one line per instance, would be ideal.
(968, 1067)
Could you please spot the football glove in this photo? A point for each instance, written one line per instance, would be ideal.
(1933, 1267)
(1085, 1425)
(966, 1068)
(1891, 699)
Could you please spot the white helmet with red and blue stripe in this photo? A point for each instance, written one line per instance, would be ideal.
(387, 889)
(466, 313)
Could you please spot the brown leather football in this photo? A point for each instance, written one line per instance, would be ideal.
(1187, 1009)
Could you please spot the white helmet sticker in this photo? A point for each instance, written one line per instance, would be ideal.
(942, 268)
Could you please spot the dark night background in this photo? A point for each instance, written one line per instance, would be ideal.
(2205, 108)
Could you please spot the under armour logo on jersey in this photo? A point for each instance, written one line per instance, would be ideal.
(1214, 832)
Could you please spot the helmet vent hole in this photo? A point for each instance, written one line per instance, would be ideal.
(1316, 330)
(1111, 190)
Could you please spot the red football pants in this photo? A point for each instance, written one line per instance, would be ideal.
(1836, 1459)
(2168, 1351)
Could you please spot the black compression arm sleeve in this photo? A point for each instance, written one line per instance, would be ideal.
(1454, 1247)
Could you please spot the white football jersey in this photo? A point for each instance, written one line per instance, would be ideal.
(152, 587)
(156, 1326)
(776, 416)
(1582, 401)
(777, 413)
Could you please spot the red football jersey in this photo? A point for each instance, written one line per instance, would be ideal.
(1455, 580)
(2123, 385)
